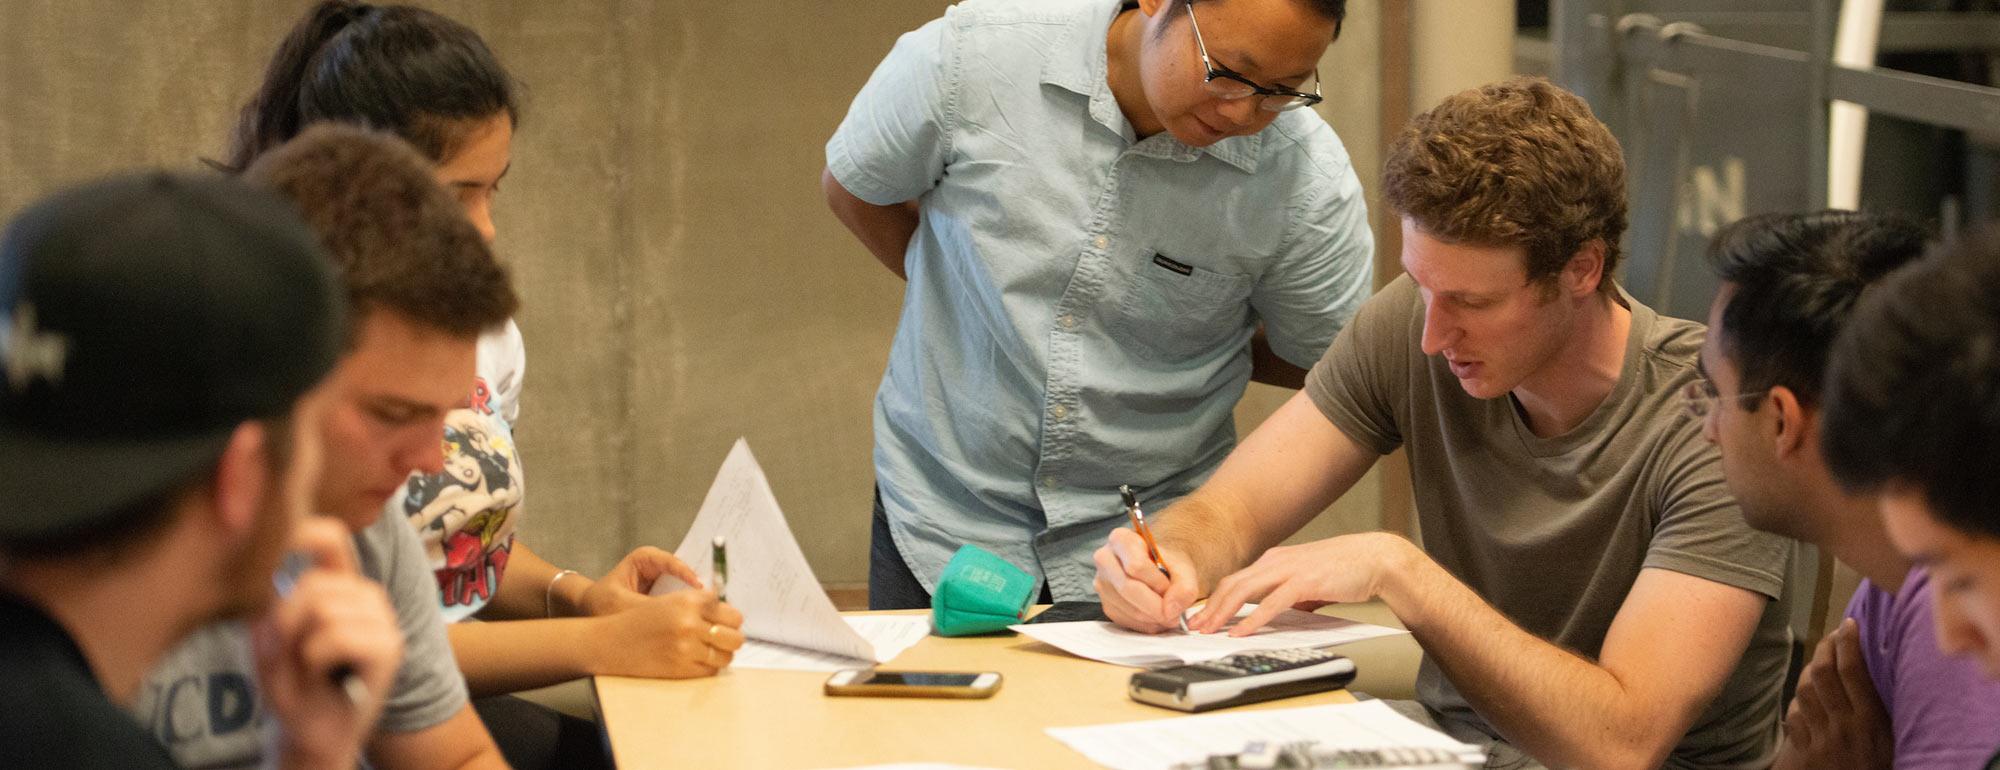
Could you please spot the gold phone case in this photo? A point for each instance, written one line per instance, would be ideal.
(916, 691)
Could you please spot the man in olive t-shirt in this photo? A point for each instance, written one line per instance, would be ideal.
(1587, 594)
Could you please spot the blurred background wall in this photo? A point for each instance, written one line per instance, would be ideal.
(683, 282)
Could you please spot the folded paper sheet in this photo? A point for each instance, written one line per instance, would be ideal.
(786, 614)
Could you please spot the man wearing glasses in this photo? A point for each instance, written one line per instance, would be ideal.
(1586, 593)
(1878, 691)
(1111, 217)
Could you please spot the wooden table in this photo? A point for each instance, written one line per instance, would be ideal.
(781, 720)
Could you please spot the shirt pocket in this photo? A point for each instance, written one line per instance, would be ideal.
(1171, 310)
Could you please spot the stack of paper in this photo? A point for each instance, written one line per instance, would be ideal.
(787, 618)
(1160, 744)
(1099, 640)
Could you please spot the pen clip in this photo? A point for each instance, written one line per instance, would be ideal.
(1139, 525)
(1132, 510)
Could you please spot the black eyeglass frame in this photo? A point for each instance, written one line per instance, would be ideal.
(1292, 99)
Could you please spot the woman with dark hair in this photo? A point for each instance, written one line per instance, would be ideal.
(434, 83)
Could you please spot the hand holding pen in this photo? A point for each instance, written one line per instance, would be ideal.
(326, 652)
(1134, 580)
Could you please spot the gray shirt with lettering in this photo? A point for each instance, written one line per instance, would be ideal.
(202, 703)
(1554, 531)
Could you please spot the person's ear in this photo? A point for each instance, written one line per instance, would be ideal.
(1585, 270)
(242, 478)
(1792, 432)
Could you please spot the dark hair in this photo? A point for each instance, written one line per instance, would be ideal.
(1797, 278)
(400, 241)
(110, 538)
(1520, 162)
(426, 78)
(1334, 10)
(1913, 390)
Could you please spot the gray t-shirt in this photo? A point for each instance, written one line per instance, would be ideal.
(202, 703)
(1554, 531)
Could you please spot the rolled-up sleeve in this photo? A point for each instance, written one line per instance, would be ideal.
(1326, 271)
(893, 143)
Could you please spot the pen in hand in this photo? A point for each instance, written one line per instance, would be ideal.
(1146, 533)
(292, 567)
(719, 556)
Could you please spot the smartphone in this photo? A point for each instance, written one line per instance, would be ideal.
(913, 684)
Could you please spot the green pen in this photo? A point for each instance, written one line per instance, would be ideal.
(719, 554)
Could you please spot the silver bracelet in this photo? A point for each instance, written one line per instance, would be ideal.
(549, 594)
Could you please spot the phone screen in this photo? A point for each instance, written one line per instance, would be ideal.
(919, 679)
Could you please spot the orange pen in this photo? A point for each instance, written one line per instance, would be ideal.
(1146, 533)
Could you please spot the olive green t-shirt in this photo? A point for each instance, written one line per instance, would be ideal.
(1553, 531)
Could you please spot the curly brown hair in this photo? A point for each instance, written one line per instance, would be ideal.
(1520, 162)
(401, 242)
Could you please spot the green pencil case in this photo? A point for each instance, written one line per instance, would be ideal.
(979, 593)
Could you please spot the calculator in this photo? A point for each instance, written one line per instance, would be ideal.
(1247, 677)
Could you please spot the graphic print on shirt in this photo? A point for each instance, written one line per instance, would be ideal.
(482, 397)
(466, 515)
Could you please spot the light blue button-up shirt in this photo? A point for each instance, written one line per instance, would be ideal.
(1080, 303)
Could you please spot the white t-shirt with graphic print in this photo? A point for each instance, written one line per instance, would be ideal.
(466, 516)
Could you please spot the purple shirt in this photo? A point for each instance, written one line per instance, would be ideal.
(1944, 711)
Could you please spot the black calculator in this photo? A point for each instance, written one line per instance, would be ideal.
(1247, 677)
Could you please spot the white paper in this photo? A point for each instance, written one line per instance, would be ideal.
(915, 766)
(769, 578)
(1111, 643)
(890, 634)
(1160, 744)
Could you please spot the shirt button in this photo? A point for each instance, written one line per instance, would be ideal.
(1102, 242)
(1066, 321)
(1059, 411)
(1048, 482)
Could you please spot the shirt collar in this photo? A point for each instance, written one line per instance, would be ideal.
(1077, 63)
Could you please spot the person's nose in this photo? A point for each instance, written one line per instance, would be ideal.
(482, 220)
(1241, 113)
(423, 452)
(1439, 329)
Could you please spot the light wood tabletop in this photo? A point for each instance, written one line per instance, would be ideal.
(781, 719)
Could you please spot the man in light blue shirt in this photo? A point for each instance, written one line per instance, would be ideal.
(1111, 218)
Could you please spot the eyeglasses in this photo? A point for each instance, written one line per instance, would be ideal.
(1701, 397)
(1225, 84)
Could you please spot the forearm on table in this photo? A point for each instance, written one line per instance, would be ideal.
(1285, 473)
(525, 591)
(511, 656)
(1210, 527)
(1558, 707)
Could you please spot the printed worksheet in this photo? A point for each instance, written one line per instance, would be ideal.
(1161, 744)
(1108, 642)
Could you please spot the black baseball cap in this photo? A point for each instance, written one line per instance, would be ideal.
(142, 318)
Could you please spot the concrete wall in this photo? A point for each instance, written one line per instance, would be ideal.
(684, 284)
